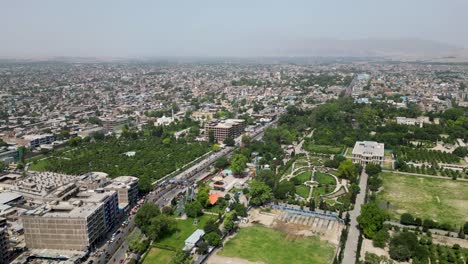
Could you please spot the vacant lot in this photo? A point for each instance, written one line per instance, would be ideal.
(159, 256)
(442, 200)
(270, 246)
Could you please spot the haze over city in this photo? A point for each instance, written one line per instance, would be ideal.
(231, 28)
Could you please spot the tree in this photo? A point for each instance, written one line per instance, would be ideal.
(461, 152)
(268, 177)
(238, 163)
(229, 141)
(194, 209)
(161, 226)
(246, 140)
(228, 222)
(145, 214)
(211, 226)
(213, 239)
(259, 193)
(373, 169)
(181, 257)
(144, 184)
(202, 248)
(240, 209)
(2, 166)
(407, 219)
(371, 219)
(215, 147)
(284, 189)
(381, 238)
(405, 245)
(312, 205)
(221, 162)
(347, 170)
(211, 137)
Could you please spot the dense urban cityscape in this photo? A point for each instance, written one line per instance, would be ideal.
(234, 132)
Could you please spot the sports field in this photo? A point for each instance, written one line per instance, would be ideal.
(443, 200)
(159, 256)
(270, 246)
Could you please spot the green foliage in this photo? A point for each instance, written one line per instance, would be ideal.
(145, 214)
(194, 209)
(229, 224)
(238, 163)
(405, 245)
(213, 239)
(461, 152)
(381, 238)
(181, 257)
(260, 193)
(161, 226)
(373, 169)
(153, 159)
(221, 162)
(407, 219)
(347, 170)
(284, 189)
(371, 219)
(229, 141)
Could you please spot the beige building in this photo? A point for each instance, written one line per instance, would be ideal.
(365, 152)
(223, 129)
(126, 188)
(4, 248)
(77, 224)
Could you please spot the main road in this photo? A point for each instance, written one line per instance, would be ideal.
(349, 256)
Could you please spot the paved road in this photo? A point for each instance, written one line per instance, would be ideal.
(353, 235)
(163, 194)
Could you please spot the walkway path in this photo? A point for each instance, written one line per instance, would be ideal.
(352, 242)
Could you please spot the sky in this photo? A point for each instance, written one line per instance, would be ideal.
(139, 28)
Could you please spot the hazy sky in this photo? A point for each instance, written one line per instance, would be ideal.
(218, 27)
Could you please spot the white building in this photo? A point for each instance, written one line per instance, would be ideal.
(368, 151)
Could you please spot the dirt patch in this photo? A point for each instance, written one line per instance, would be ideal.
(217, 259)
(449, 241)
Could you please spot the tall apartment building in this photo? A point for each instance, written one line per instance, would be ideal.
(77, 224)
(127, 190)
(365, 152)
(223, 129)
(112, 124)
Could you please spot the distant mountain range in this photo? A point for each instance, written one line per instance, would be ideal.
(405, 49)
(411, 49)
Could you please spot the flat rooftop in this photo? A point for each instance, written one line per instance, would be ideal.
(369, 148)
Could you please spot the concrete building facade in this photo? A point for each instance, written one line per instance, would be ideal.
(223, 129)
(365, 152)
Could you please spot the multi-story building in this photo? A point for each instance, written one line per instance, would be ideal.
(365, 152)
(126, 188)
(77, 224)
(35, 141)
(112, 124)
(223, 129)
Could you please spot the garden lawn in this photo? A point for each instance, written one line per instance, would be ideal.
(186, 228)
(159, 256)
(258, 243)
(445, 201)
(324, 178)
(304, 176)
(303, 191)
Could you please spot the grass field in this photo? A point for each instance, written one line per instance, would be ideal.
(325, 149)
(159, 256)
(303, 190)
(258, 243)
(445, 201)
(186, 228)
(324, 178)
